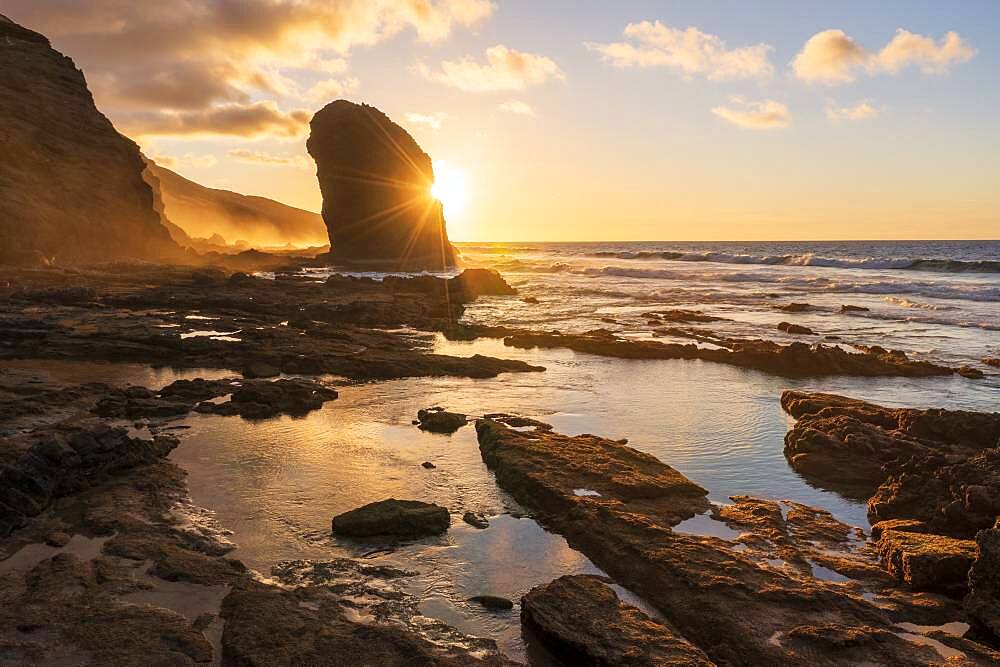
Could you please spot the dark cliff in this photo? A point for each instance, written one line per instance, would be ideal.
(376, 182)
(71, 187)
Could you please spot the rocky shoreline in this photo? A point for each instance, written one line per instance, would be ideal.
(106, 560)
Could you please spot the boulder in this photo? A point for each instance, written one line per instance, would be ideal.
(582, 621)
(438, 420)
(927, 562)
(398, 518)
(376, 184)
(790, 328)
(475, 520)
(493, 602)
(983, 602)
(71, 187)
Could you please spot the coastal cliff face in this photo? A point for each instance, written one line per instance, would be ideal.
(376, 182)
(71, 187)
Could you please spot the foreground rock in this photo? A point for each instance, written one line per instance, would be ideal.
(794, 360)
(438, 420)
(393, 518)
(376, 183)
(927, 562)
(941, 467)
(731, 604)
(71, 187)
(983, 602)
(582, 621)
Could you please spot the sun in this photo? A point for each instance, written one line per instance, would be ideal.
(451, 188)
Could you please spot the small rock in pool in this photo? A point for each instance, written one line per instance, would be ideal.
(475, 520)
(847, 308)
(428, 465)
(399, 518)
(529, 299)
(795, 307)
(259, 369)
(492, 601)
(438, 420)
(970, 372)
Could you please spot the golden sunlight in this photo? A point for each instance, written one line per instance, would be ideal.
(450, 188)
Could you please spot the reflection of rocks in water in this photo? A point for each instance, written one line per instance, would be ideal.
(340, 612)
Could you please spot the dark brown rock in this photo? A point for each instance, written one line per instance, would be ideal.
(71, 187)
(983, 603)
(790, 328)
(376, 185)
(475, 520)
(397, 518)
(927, 562)
(991, 361)
(438, 420)
(795, 307)
(583, 622)
(494, 602)
(847, 308)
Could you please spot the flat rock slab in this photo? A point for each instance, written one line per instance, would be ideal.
(399, 518)
(927, 562)
(582, 621)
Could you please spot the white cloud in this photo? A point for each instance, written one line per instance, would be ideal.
(430, 120)
(860, 111)
(832, 57)
(518, 107)
(690, 51)
(504, 69)
(328, 90)
(270, 159)
(766, 114)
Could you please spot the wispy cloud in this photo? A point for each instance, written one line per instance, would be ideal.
(433, 120)
(270, 159)
(504, 69)
(860, 111)
(832, 57)
(518, 107)
(763, 115)
(233, 120)
(689, 51)
(186, 160)
(329, 90)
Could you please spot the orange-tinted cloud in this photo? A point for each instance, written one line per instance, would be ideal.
(689, 51)
(763, 115)
(859, 111)
(832, 57)
(504, 69)
(250, 121)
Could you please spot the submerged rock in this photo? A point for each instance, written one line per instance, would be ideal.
(582, 621)
(71, 187)
(437, 420)
(847, 308)
(790, 328)
(475, 520)
(398, 518)
(376, 183)
(494, 602)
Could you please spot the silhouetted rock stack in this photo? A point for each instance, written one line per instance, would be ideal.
(71, 187)
(376, 184)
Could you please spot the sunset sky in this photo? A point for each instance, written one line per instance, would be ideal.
(579, 120)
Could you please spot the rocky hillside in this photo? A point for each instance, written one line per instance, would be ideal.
(71, 187)
(202, 213)
(376, 183)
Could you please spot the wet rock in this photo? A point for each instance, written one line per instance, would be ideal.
(794, 360)
(475, 520)
(260, 370)
(847, 308)
(492, 602)
(437, 420)
(530, 300)
(983, 602)
(57, 539)
(428, 465)
(970, 372)
(927, 562)
(941, 467)
(72, 185)
(397, 518)
(376, 183)
(680, 315)
(991, 361)
(795, 307)
(582, 621)
(262, 400)
(63, 459)
(834, 644)
(790, 328)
